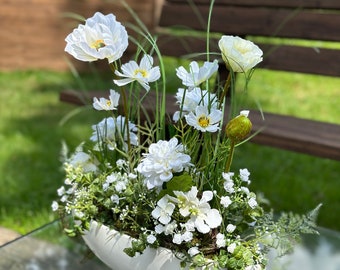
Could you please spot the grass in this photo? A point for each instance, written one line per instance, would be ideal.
(31, 136)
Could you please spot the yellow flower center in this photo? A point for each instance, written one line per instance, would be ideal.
(143, 72)
(203, 121)
(98, 44)
(108, 103)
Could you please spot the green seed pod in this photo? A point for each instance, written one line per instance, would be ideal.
(239, 127)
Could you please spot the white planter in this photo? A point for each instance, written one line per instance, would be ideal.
(108, 246)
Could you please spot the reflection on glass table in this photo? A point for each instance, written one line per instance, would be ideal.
(48, 248)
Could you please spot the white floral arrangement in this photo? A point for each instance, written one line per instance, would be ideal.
(168, 182)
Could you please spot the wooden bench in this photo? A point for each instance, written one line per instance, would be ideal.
(293, 19)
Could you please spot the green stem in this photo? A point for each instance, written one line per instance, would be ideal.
(225, 88)
(230, 157)
(125, 108)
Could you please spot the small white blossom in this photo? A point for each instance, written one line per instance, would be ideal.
(244, 175)
(231, 228)
(231, 248)
(228, 183)
(226, 201)
(187, 236)
(166, 229)
(55, 206)
(193, 251)
(245, 190)
(107, 104)
(177, 239)
(143, 73)
(121, 163)
(61, 191)
(151, 239)
(252, 202)
(163, 159)
(163, 210)
(203, 120)
(102, 37)
(196, 75)
(115, 199)
(220, 240)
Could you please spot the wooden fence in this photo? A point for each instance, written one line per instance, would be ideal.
(32, 32)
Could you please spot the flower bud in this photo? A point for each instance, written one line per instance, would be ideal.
(239, 127)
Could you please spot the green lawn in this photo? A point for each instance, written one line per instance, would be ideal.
(31, 136)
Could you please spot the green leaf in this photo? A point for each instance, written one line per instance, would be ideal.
(179, 183)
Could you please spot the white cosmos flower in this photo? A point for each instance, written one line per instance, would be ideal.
(102, 37)
(196, 74)
(163, 210)
(198, 210)
(143, 73)
(163, 159)
(188, 101)
(204, 121)
(239, 54)
(106, 130)
(107, 104)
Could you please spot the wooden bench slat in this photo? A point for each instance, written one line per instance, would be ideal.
(285, 132)
(261, 21)
(315, 4)
(288, 58)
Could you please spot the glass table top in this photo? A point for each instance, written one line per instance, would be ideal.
(48, 248)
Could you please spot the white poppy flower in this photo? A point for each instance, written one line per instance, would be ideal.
(196, 75)
(143, 73)
(107, 104)
(102, 37)
(239, 54)
(204, 121)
